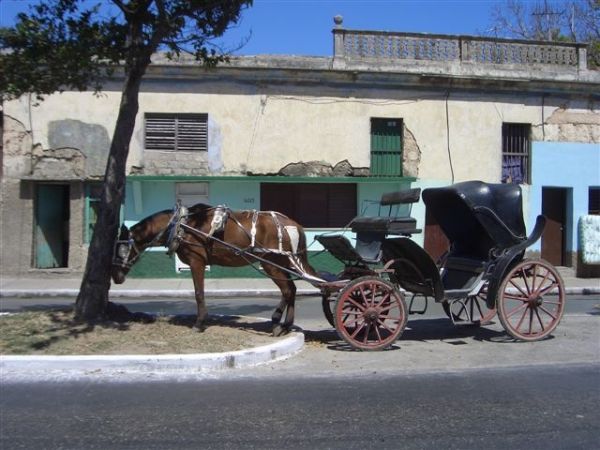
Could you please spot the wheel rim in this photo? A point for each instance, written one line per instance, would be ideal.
(370, 314)
(326, 304)
(473, 309)
(531, 301)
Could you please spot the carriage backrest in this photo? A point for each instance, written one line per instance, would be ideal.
(478, 217)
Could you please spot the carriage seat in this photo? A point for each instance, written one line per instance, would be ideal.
(400, 225)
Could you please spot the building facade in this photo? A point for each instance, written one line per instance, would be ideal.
(313, 137)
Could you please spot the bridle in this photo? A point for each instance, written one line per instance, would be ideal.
(122, 256)
(124, 248)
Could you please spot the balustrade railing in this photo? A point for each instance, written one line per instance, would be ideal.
(386, 46)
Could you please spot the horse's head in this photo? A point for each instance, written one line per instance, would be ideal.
(125, 254)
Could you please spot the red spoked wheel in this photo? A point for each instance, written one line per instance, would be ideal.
(471, 310)
(370, 314)
(531, 300)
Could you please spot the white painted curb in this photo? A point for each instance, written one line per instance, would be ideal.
(165, 293)
(20, 367)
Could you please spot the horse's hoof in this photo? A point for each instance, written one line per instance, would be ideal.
(279, 330)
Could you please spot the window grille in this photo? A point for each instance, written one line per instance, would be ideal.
(516, 153)
(176, 132)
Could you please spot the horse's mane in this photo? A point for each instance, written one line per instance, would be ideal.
(199, 210)
(144, 222)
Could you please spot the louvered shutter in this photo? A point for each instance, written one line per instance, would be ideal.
(177, 132)
(386, 147)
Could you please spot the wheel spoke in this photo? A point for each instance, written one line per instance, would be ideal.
(366, 338)
(385, 326)
(387, 317)
(530, 319)
(537, 292)
(349, 323)
(544, 291)
(357, 305)
(514, 297)
(383, 299)
(547, 302)
(363, 297)
(547, 312)
(357, 330)
(525, 281)
(533, 277)
(388, 307)
(379, 338)
(522, 318)
(525, 294)
(517, 309)
(539, 319)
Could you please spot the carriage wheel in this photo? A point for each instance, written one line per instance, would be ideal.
(531, 300)
(473, 309)
(327, 302)
(370, 314)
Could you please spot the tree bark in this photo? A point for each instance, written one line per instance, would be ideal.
(92, 300)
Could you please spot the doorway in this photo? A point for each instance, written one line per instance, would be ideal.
(554, 207)
(51, 240)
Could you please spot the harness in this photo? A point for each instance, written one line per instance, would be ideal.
(178, 226)
(175, 229)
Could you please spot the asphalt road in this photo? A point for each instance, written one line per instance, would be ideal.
(552, 407)
(308, 308)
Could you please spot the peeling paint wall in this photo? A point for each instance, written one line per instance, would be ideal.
(285, 126)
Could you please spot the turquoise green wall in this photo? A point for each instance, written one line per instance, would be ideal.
(147, 195)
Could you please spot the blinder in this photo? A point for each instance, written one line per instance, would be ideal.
(122, 255)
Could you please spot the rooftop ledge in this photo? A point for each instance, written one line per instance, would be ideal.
(377, 53)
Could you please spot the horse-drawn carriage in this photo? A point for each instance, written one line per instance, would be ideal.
(483, 273)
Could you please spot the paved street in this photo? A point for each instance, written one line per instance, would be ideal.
(430, 343)
(548, 407)
(440, 385)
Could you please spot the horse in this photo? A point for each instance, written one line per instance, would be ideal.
(204, 235)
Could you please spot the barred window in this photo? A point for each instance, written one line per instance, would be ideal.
(516, 152)
(176, 132)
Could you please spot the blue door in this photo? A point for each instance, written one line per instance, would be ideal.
(52, 226)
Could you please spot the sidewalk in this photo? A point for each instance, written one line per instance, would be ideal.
(578, 335)
(215, 287)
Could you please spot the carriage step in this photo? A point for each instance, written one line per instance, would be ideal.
(456, 293)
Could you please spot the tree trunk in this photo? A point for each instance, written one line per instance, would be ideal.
(92, 300)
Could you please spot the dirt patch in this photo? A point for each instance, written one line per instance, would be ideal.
(55, 332)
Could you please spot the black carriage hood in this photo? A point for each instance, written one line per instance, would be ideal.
(478, 216)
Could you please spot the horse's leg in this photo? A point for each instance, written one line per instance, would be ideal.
(287, 303)
(197, 269)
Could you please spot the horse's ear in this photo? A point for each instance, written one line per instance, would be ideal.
(124, 231)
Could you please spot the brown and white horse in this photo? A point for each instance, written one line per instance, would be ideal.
(205, 235)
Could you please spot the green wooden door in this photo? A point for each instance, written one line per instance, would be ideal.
(386, 147)
(52, 221)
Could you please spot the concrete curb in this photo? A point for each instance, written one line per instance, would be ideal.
(189, 293)
(49, 367)
(163, 293)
